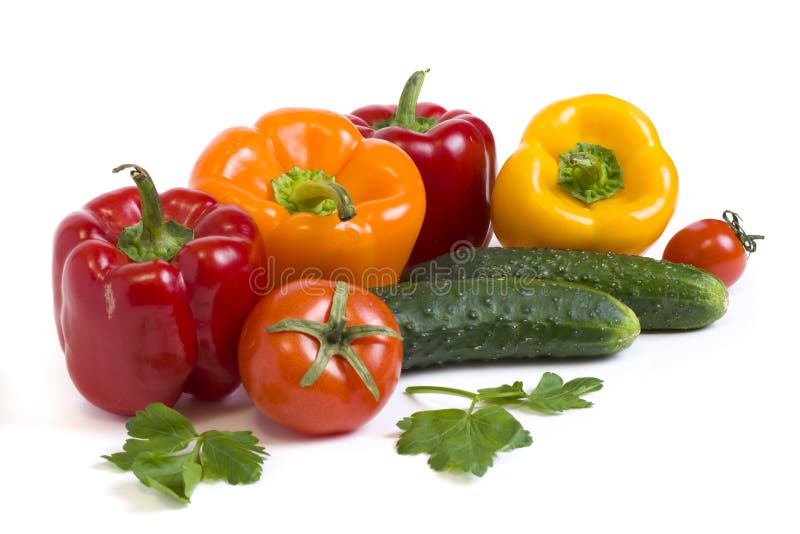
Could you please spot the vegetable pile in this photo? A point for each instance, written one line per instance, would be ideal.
(315, 256)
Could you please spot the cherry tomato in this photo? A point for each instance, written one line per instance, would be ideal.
(320, 357)
(719, 247)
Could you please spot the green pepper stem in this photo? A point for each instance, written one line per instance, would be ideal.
(406, 114)
(307, 195)
(153, 237)
(313, 191)
(152, 213)
(589, 172)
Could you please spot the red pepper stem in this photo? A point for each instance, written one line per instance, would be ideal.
(152, 238)
(152, 214)
(406, 114)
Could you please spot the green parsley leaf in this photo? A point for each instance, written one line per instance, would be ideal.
(157, 428)
(460, 439)
(234, 457)
(158, 420)
(173, 475)
(123, 460)
(468, 440)
(553, 396)
(504, 393)
(155, 453)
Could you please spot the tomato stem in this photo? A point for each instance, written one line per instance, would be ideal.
(335, 338)
(748, 240)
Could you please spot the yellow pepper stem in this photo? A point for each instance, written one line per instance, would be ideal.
(589, 172)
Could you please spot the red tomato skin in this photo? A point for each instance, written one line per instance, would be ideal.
(711, 245)
(272, 364)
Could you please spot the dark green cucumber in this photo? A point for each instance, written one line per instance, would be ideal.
(664, 295)
(448, 321)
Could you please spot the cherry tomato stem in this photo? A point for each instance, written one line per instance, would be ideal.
(734, 221)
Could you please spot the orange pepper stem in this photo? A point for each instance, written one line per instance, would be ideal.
(589, 172)
(406, 114)
(152, 238)
(335, 337)
(312, 191)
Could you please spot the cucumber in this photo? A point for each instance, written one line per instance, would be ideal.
(477, 319)
(664, 295)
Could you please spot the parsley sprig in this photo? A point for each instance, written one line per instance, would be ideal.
(159, 453)
(468, 440)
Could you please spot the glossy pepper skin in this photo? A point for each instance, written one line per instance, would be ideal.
(456, 156)
(135, 332)
(531, 208)
(383, 193)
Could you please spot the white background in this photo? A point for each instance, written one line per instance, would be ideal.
(693, 432)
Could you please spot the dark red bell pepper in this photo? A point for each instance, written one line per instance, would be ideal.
(151, 293)
(456, 156)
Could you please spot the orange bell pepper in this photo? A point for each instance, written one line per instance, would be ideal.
(328, 203)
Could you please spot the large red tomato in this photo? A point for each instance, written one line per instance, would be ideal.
(719, 247)
(320, 357)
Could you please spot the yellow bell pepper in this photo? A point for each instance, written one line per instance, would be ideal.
(590, 173)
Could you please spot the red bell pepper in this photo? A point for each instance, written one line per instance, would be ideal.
(456, 156)
(151, 293)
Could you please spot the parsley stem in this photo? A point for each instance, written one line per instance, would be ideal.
(198, 444)
(440, 389)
